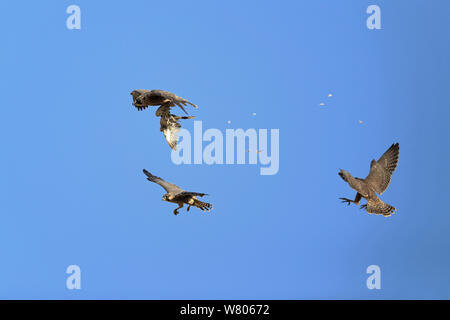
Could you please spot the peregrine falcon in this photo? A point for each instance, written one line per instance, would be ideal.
(169, 125)
(376, 182)
(143, 98)
(177, 195)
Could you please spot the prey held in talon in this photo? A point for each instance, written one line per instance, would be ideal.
(179, 196)
(169, 125)
(376, 182)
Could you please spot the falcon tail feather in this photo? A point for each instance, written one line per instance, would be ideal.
(202, 205)
(379, 207)
(184, 117)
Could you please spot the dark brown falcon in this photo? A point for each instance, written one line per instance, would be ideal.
(376, 182)
(177, 195)
(143, 98)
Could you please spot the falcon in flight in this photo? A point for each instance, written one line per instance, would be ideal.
(177, 195)
(169, 125)
(143, 98)
(376, 182)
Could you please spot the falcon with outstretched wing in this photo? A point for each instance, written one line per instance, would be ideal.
(177, 195)
(376, 182)
(143, 98)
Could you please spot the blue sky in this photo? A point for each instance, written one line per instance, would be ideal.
(73, 149)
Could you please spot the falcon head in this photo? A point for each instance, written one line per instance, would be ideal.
(134, 93)
(165, 197)
(136, 99)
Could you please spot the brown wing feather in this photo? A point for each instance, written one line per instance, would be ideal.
(176, 100)
(169, 187)
(143, 98)
(381, 171)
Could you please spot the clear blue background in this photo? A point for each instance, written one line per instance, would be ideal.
(73, 149)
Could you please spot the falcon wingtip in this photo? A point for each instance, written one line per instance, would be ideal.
(148, 174)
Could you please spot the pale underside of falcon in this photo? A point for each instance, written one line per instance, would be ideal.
(179, 196)
(376, 182)
(169, 124)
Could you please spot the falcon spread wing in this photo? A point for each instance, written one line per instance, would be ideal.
(381, 171)
(169, 187)
(179, 101)
(144, 98)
